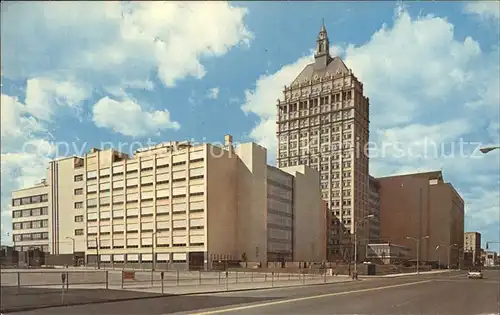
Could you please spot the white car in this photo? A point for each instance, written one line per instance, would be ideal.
(475, 274)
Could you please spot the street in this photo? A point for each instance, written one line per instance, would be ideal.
(448, 293)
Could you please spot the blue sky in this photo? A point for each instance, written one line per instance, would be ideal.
(77, 75)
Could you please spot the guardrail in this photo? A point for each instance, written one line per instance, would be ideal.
(144, 279)
(56, 279)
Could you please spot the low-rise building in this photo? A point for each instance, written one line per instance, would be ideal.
(179, 204)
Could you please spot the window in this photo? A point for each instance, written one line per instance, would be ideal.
(27, 225)
(79, 232)
(36, 199)
(78, 178)
(17, 237)
(45, 197)
(36, 224)
(45, 235)
(16, 202)
(45, 223)
(79, 205)
(79, 191)
(36, 212)
(26, 200)
(79, 218)
(18, 214)
(26, 213)
(16, 226)
(45, 210)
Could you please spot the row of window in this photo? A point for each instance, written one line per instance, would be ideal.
(316, 101)
(31, 212)
(93, 245)
(30, 225)
(119, 170)
(43, 248)
(30, 200)
(31, 236)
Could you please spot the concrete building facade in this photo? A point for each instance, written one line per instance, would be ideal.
(472, 245)
(374, 209)
(322, 122)
(418, 206)
(180, 204)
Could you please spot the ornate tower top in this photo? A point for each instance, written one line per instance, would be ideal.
(322, 56)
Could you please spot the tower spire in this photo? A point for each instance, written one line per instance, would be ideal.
(323, 44)
(322, 56)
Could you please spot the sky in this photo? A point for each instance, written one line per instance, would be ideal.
(77, 75)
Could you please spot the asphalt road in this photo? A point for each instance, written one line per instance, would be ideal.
(452, 294)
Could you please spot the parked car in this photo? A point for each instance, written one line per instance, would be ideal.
(475, 274)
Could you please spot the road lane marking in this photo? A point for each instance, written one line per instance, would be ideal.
(240, 308)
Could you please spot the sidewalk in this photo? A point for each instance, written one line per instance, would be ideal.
(405, 274)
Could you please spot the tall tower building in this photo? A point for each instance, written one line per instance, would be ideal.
(322, 121)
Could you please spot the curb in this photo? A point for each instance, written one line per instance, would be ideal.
(159, 295)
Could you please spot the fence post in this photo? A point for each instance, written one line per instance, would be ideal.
(177, 277)
(122, 274)
(227, 276)
(199, 276)
(18, 282)
(107, 280)
(304, 278)
(237, 276)
(219, 277)
(272, 279)
(162, 277)
(67, 280)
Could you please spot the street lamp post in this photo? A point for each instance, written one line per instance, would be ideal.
(73, 247)
(418, 249)
(97, 253)
(152, 256)
(355, 271)
(439, 257)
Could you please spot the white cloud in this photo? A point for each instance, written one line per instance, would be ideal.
(213, 93)
(113, 42)
(484, 9)
(128, 118)
(44, 96)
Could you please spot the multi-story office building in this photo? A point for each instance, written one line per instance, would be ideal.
(30, 218)
(322, 122)
(184, 204)
(422, 207)
(472, 245)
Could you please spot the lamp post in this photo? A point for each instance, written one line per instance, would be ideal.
(355, 272)
(152, 256)
(485, 150)
(439, 258)
(73, 251)
(97, 253)
(418, 249)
